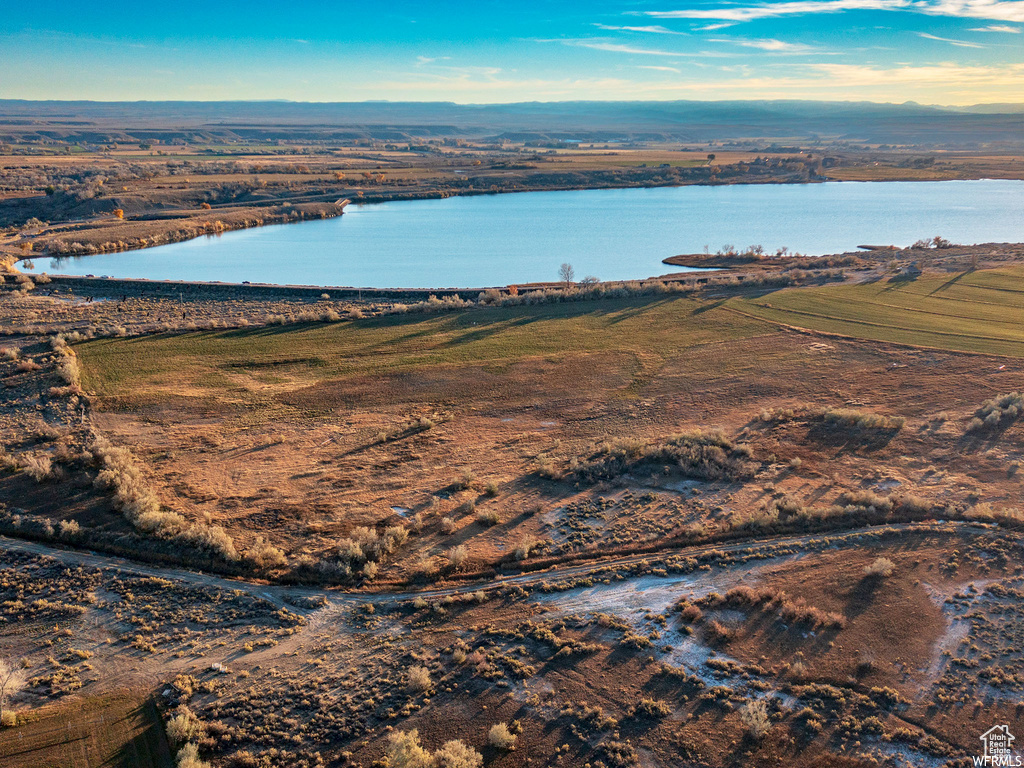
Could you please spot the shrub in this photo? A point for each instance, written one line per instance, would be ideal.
(448, 525)
(457, 556)
(419, 679)
(754, 715)
(705, 455)
(853, 419)
(651, 708)
(881, 568)
(501, 737)
(265, 555)
(455, 754)
(865, 499)
(188, 757)
(404, 750)
(998, 412)
(525, 547)
(38, 467)
(184, 727)
(487, 517)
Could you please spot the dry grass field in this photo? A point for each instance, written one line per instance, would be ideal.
(737, 525)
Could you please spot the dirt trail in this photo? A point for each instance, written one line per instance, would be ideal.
(279, 594)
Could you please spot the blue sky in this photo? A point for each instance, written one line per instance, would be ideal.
(930, 51)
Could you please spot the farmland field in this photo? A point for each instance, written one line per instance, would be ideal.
(970, 311)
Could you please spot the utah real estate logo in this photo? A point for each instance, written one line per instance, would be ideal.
(998, 748)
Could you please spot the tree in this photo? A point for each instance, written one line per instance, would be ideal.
(12, 680)
(711, 157)
(566, 274)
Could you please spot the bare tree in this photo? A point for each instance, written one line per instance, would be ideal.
(12, 680)
(566, 274)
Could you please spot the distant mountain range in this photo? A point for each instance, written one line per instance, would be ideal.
(997, 125)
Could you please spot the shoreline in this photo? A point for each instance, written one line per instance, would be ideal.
(694, 261)
(98, 237)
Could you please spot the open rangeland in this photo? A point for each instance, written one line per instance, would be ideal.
(733, 525)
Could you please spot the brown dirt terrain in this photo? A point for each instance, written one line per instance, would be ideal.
(644, 530)
(307, 464)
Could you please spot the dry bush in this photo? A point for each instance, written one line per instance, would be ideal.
(798, 670)
(525, 547)
(188, 757)
(754, 715)
(865, 500)
(501, 737)
(651, 708)
(38, 467)
(852, 419)
(448, 525)
(881, 568)
(705, 455)
(136, 500)
(457, 556)
(265, 555)
(10, 353)
(184, 727)
(404, 750)
(69, 371)
(487, 517)
(456, 754)
(364, 545)
(27, 366)
(419, 679)
(998, 412)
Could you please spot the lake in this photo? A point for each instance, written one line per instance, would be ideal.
(611, 234)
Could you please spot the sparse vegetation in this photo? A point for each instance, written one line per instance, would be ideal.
(881, 567)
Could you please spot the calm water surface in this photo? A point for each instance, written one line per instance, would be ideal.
(611, 234)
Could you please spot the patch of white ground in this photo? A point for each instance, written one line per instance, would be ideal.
(634, 599)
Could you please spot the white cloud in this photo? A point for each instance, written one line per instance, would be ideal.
(661, 69)
(423, 60)
(775, 46)
(598, 45)
(735, 13)
(960, 43)
(949, 74)
(656, 29)
(710, 27)
(998, 10)
(997, 28)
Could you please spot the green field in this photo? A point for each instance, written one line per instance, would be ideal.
(112, 731)
(969, 311)
(645, 328)
(974, 312)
